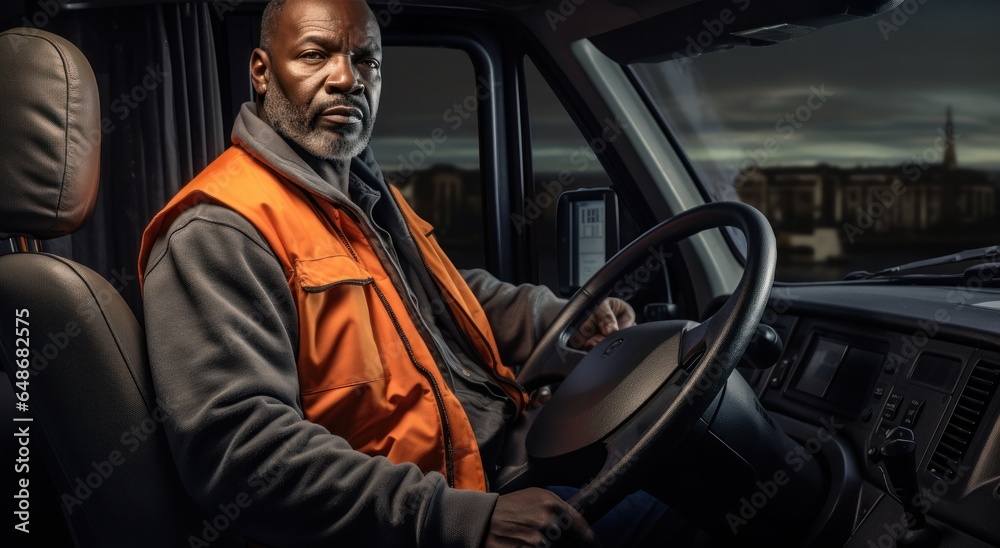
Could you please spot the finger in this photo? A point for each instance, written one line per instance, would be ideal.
(588, 330)
(606, 318)
(581, 338)
(624, 312)
(591, 342)
(609, 316)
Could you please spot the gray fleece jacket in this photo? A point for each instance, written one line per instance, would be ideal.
(222, 336)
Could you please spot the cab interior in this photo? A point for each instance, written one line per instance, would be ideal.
(824, 411)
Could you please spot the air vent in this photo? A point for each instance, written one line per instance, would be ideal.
(965, 419)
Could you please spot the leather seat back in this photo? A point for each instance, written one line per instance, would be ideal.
(90, 393)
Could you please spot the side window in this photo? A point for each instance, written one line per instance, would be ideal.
(562, 160)
(426, 141)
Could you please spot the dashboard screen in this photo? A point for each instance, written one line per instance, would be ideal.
(822, 366)
(937, 371)
(590, 245)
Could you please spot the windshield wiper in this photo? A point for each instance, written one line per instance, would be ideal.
(989, 252)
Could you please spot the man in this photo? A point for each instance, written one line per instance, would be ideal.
(321, 362)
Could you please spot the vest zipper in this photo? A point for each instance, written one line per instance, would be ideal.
(449, 459)
(438, 397)
(437, 285)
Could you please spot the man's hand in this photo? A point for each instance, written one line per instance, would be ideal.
(537, 517)
(612, 314)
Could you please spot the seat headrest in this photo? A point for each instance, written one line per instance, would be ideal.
(50, 135)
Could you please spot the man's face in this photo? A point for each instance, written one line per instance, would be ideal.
(322, 78)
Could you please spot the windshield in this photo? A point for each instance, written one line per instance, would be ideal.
(866, 144)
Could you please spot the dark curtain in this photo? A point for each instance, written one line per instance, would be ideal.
(160, 102)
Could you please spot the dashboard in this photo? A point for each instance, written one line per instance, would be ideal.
(861, 360)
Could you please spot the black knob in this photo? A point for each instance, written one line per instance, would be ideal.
(898, 457)
(764, 350)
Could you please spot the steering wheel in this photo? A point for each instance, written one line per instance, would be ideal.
(641, 389)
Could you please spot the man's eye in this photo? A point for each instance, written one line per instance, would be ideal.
(312, 55)
(371, 63)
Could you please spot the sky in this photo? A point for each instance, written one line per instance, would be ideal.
(886, 89)
(886, 86)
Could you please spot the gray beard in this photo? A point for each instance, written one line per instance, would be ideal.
(295, 124)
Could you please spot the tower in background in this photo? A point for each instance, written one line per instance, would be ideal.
(950, 160)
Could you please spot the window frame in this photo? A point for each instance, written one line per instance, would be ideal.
(499, 176)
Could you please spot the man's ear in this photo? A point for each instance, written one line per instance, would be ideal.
(260, 66)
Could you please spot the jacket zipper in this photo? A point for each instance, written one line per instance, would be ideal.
(437, 285)
(435, 387)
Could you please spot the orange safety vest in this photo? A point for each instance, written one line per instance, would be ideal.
(365, 372)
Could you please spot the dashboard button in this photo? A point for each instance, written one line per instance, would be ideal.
(912, 413)
(778, 374)
(879, 392)
(866, 415)
(892, 407)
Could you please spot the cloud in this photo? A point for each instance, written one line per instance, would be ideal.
(889, 96)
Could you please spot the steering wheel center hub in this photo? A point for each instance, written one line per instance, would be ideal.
(608, 386)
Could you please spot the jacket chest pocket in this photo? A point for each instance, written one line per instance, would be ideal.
(339, 325)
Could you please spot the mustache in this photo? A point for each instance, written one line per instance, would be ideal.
(342, 102)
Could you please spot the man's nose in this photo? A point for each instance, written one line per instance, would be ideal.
(343, 77)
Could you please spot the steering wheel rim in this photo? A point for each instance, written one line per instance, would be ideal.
(676, 379)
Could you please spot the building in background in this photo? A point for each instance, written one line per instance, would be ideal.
(826, 208)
